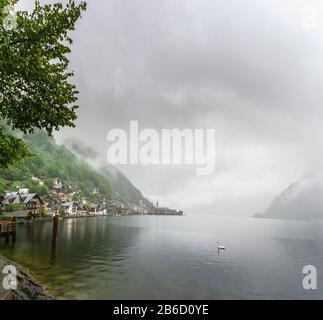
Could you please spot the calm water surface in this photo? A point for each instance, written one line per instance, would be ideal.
(172, 257)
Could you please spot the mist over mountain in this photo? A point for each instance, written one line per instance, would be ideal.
(51, 160)
(301, 200)
(80, 149)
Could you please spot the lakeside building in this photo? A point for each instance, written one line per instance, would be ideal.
(28, 205)
(69, 207)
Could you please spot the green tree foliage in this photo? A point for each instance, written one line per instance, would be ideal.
(36, 188)
(2, 186)
(61, 213)
(12, 149)
(35, 88)
(14, 207)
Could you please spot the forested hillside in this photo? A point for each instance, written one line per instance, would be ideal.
(50, 161)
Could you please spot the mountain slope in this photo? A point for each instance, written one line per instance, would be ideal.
(54, 161)
(121, 187)
(301, 200)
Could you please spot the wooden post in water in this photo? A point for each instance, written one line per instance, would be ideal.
(7, 233)
(55, 227)
(14, 229)
(54, 238)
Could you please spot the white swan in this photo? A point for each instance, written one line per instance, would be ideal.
(220, 247)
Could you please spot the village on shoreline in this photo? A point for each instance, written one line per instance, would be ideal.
(66, 202)
(62, 202)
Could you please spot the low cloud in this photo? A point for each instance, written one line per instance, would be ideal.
(252, 70)
(81, 149)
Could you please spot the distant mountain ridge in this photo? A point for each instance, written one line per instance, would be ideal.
(301, 200)
(52, 161)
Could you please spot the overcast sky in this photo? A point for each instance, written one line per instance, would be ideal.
(253, 70)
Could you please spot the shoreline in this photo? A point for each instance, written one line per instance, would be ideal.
(28, 287)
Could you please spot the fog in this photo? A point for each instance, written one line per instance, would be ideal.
(252, 70)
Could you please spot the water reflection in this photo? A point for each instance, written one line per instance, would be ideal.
(169, 257)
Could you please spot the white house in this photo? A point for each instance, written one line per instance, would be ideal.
(23, 190)
(69, 208)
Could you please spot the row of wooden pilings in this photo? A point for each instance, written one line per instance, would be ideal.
(8, 229)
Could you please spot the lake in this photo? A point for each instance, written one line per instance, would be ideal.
(156, 257)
